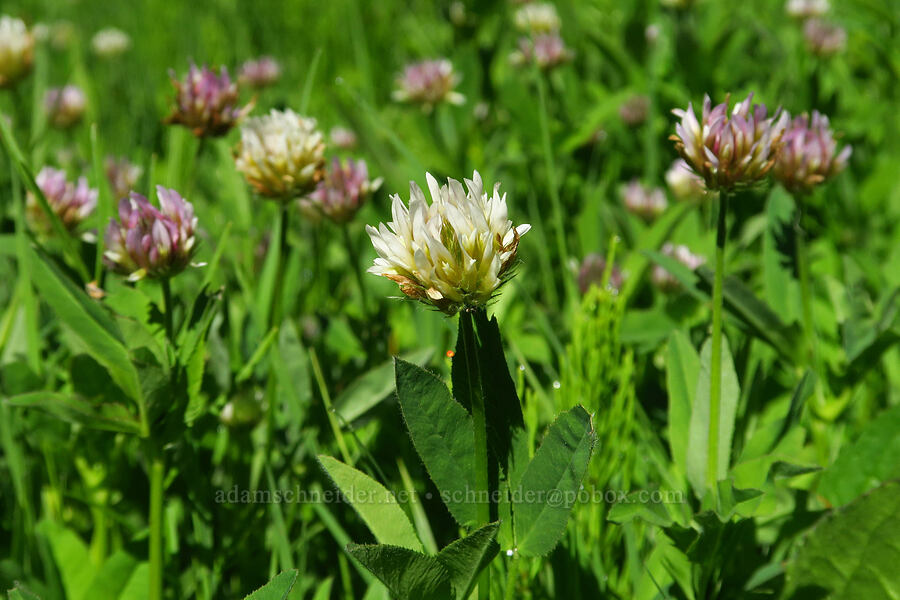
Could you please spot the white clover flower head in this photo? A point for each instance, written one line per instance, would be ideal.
(65, 106)
(643, 201)
(729, 151)
(804, 9)
(537, 18)
(428, 83)
(662, 278)
(72, 202)
(809, 155)
(683, 182)
(282, 154)
(824, 38)
(110, 42)
(452, 254)
(16, 51)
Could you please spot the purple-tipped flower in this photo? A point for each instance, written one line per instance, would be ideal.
(343, 191)
(729, 151)
(634, 110)
(645, 202)
(206, 103)
(72, 202)
(122, 175)
(546, 50)
(664, 280)
(259, 73)
(428, 83)
(684, 183)
(151, 242)
(593, 270)
(824, 38)
(343, 138)
(809, 155)
(65, 106)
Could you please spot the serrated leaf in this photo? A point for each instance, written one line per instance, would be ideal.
(549, 487)
(374, 503)
(853, 552)
(873, 458)
(682, 370)
(443, 435)
(407, 574)
(698, 444)
(277, 589)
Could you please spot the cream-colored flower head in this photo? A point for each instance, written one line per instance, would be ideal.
(281, 154)
(453, 253)
(16, 51)
(110, 42)
(537, 18)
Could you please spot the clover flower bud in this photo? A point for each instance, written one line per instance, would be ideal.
(634, 110)
(72, 202)
(428, 83)
(65, 106)
(662, 278)
(121, 174)
(824, 38)
(593, 270)
(151, 242)
(259, 73)
(16, 51)
(545, 50)
(206, 103)
(281, 154)
(343, 138)
(343, 190)
(452, 254)
(684, 183)
(645, 202)
(809, 154)
(729, 150)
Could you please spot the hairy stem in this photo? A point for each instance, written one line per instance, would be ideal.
(715, 366)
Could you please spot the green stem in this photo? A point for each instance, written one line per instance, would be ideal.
(329, 408)
(715, 367)
(473, 369)
(167, 311)
(802, 258)
(157, 473)
(278, 291)
(556, 204)
(353, 252)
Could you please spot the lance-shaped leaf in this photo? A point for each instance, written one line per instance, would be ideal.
(682, 369)
(549, 487)
(698, 444)
(375, 504)
(443, 435)
(853, 552)
(277, 589)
